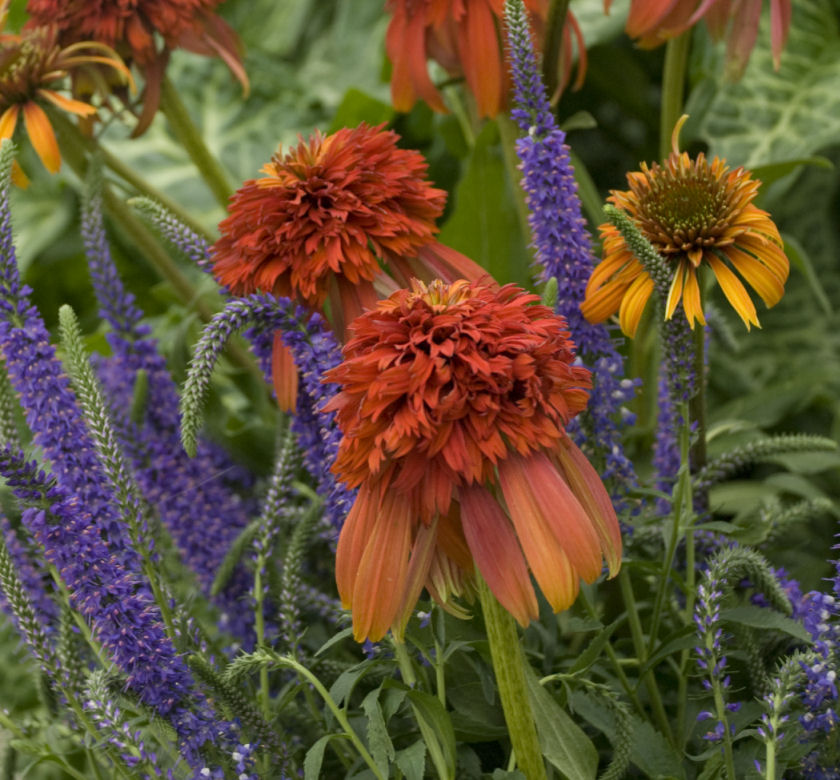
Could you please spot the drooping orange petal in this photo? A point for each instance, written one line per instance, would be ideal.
(355, 300)
(780, 16)
(497, 553)
(352, 541)
(735, 292)
(590, 491)
(448, 264)
(40, 132)
(550, 523)
(478, 49)
(381, 578)
(645, 14)
(284, 374)
(742, 37)
(419, 563)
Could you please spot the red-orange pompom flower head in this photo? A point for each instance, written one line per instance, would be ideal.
(453, 406)
(134, 29)
(32, 67)
(463, 37)
(327, 217)
(698, 215)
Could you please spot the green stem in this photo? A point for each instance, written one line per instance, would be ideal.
(557, 12)
(673, 88)
(614, 660)
(440, 677)
(697, 405)
(337, 712)
(590, 198)
(728, 756)
(508, 664)
(404, 662)
(637, 635)
(77, 142)
(191, 139)
(682, 506)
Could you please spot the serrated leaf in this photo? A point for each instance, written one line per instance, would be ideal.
(379, 743)
(594, 648)
(765, 618)
(563, 742)
(436, 728)
(315, 757)
(412, 761)
(771, 116)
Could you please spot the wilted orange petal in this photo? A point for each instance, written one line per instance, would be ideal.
(381, 578)
(41, 134)
(780, 14)
(589, 490)
(550, 523)
(284, 374)
(497, 553)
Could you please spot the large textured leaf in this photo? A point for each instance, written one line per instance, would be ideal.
(772, 116)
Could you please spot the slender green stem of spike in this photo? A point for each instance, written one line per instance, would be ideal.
(637, 635)
(590, 198)
(337, 712)
(508, 664)
(673, 88)
(697, 405)
(682, 518)
(208, 166)
(82, 144)
(404, 662)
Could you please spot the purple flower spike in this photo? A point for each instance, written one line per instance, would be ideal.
(563, 249)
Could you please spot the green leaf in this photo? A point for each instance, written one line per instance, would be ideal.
(379, 743)
(315, 757)
(765, 618)
(412, 761)
(801, 259)
(484, 224)
(233, 556)
(563, 742)
(773, 116)
(357, 107)
(437, 731)
(593, 651)
(767, 174)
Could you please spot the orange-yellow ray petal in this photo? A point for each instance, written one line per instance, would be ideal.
(675, 293)
(633, 304)
(41, 134)
(590, 491)
(692, 304)
(550, 523)
(381, 578)
(767, 251)
(8, 121)
(67, 104)
(19, 178)
(497, 553)
(735, 292)
(760, 277)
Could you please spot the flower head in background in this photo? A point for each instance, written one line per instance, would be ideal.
(697, 214)
(133, 28)
(463, 36)
(325, 219)
(652, 22)
(32, 65)
(453, 406)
